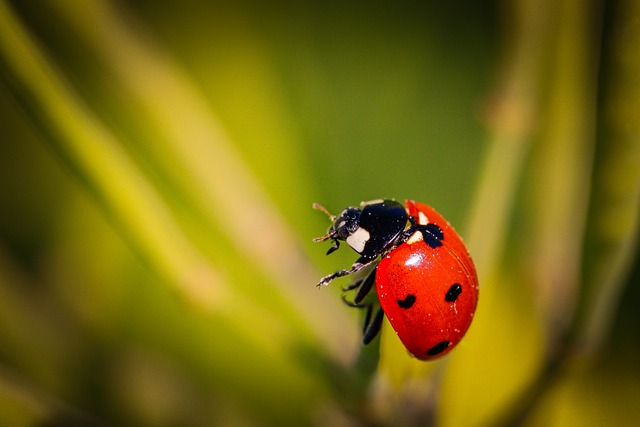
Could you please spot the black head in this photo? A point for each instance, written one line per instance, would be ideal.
(343, 226)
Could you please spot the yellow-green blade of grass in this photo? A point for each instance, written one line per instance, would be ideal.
(612, 228)
(214, 174)
(100, 163)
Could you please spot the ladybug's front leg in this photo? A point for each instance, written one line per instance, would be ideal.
(357, 266)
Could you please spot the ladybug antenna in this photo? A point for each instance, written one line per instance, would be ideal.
(323, 238)
(331, 234)
(319, 207)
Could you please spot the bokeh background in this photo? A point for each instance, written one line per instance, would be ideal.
(158, 162)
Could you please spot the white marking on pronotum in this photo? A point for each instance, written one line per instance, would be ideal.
(422, 219)
(358, 239)
(415, 238)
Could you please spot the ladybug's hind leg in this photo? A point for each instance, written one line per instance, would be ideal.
(372, 322)
(372, 325)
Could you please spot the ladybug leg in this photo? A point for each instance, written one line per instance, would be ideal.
(352, 286)
(357, 266)
(365, 286)
(334, 247)
(353, 304)
(372, 325)
(372, 322)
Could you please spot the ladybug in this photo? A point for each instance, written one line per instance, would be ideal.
(425, 279)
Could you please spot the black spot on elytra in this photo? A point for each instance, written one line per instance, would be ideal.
(432, 235)
(453, 293)
(438, 348)
(407, 302)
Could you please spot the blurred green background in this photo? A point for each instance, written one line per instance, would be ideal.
(158, 162)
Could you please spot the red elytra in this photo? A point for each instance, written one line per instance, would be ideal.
(429, 294)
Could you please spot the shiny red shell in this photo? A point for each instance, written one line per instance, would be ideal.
(428, 294)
